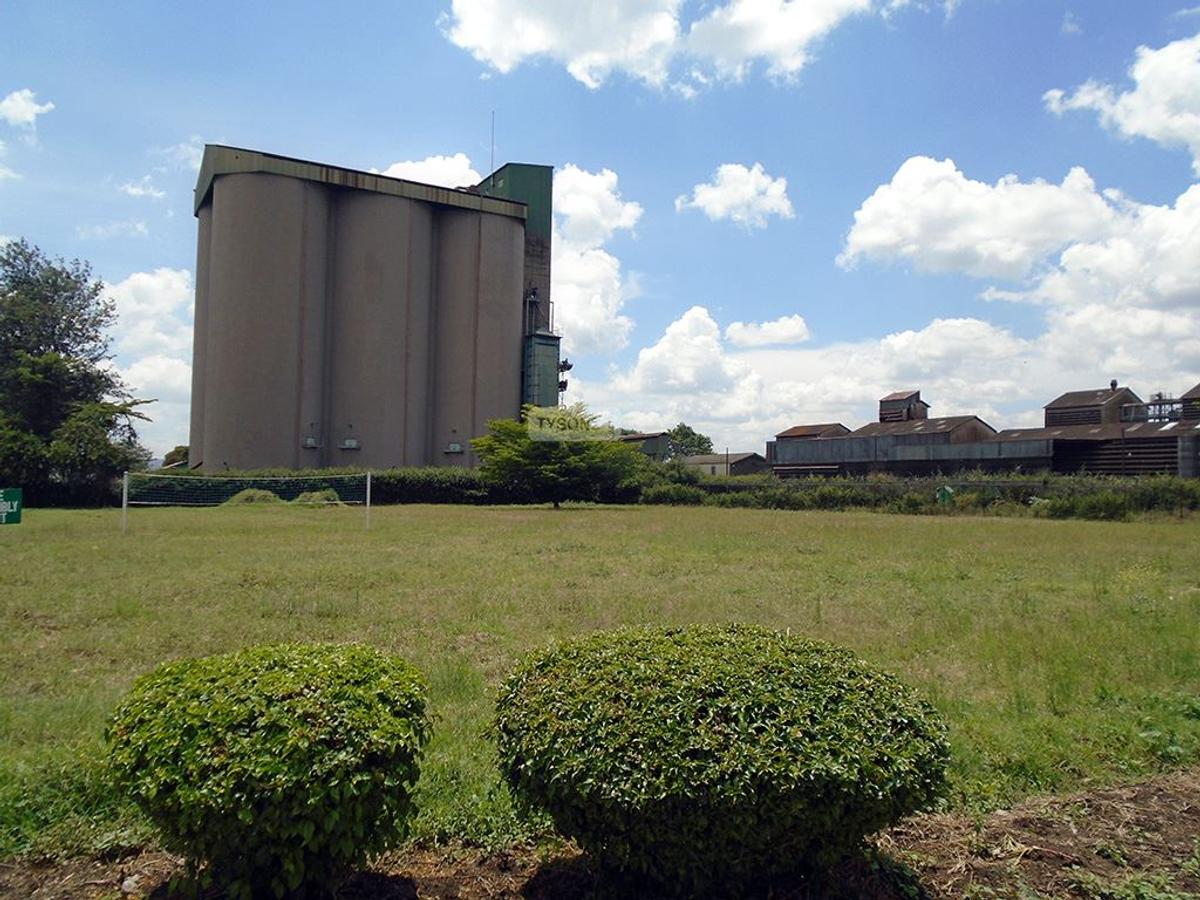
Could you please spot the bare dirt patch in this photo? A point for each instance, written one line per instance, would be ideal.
(1138, 840)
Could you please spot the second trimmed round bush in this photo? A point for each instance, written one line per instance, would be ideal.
(701, 755)
(281, 767)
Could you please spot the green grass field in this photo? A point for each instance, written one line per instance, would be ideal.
(1061, 652)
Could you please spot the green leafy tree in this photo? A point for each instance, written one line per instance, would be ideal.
(66, 420)
(551, 470)
(685, 441)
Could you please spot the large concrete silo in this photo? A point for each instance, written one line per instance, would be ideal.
(345, 318)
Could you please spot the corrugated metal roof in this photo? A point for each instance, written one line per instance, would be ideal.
(899, 395)
(1073, 399)
(814, 430)
(641, 436)
(707, 459)
(222, 160)
(1193, 394)
(1114, 432)
(917, 426)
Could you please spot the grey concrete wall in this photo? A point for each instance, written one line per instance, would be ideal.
(252, 355)
(200, 337)
(416, 345)
(498, 336)
(312, 335)
(332, 313)
(370, 305)
(455, 336)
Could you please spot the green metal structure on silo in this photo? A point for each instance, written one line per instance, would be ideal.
(534, 186)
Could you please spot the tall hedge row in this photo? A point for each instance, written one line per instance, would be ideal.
(1054, 496)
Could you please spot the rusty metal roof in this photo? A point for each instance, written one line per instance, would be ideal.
(900, 395)
(707, 459)
(827, 428)
(1111, 432)
(1072, 399)
(222, 160)
(918, 426)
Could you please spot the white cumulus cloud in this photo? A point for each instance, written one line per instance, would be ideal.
(931, 215)
(1147, 259)
(688, 359)
(684, 44)
(1163, 105)
(166, 379)
(743, 195)
(780, 32)
(591, 38)
(154, 313)
(784, 330)
(21, 110)
(446, 171)
(153, 341)
(588, 288)
(1117, 297)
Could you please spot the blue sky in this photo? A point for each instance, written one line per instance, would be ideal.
(768, 212)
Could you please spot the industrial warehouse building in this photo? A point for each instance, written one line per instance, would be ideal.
(1103, 432)
(344, 318)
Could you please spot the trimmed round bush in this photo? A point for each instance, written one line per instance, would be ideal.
(280, 767)
(704, 755)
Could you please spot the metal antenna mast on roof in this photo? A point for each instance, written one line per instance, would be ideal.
(493, 159)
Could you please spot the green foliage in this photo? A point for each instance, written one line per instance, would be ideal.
(95, 444)
(66, 421)
(252, 495)
(1135, 887)
(911, 503)
(1164, 492)
(280, 766)
(673, 494)
(1103, 505)
(447, 484)
(1058, 496)
(64, 804)
(684, 441)
(694, 755)
(541, 471)
(675, 470)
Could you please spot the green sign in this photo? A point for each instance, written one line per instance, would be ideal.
(10, 506)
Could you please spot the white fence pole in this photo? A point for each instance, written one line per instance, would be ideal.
(368, 500)
(124, 503)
